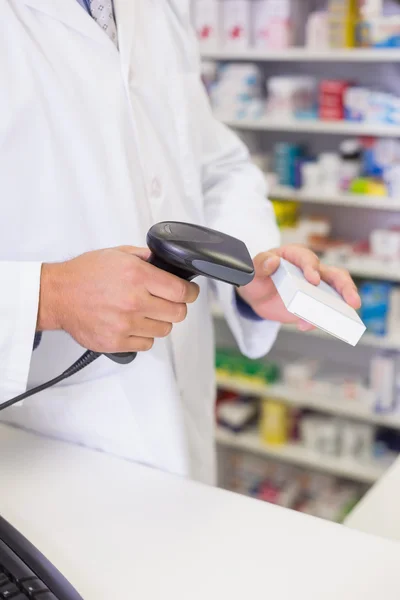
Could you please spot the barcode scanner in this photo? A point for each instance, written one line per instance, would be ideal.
(187, 251)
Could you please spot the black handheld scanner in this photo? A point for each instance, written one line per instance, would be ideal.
(189, 251)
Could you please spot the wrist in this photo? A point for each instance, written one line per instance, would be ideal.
(51, 293)
(241, 293)
(245, 309)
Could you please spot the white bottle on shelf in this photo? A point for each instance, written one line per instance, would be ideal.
(206, 19)
(382, 380)
(236, 24)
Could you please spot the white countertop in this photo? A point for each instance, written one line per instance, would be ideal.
(379, 511)
(119, 530)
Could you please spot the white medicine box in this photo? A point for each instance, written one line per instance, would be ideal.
(319, 305)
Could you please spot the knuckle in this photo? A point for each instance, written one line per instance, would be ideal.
(134, 271)
(121, 326)
(137, 302)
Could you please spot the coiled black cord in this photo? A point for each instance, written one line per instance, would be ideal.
(84, 361)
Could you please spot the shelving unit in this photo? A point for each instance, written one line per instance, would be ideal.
(387, 271)
(367, 55)
(313, 126)
(250, 442)
(368, 339)
(351, 409)
(368, 472)
(389, 342)
(345, 200)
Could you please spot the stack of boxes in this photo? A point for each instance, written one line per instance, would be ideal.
(239, 92)
(331, 99)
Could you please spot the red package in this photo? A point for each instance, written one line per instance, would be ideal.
(331, 99)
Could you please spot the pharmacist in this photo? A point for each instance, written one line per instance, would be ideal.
(104, 130)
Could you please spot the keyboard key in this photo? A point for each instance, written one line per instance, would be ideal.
(9, 590)
(3, 579)
(20, 597)
(12, 564)
(33, 586)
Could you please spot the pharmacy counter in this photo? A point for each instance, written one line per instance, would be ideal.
(379, 511)
(123, 531)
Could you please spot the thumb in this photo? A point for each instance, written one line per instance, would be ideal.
(265, 264)
(143, 253)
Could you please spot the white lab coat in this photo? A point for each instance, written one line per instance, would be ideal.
(95, 146)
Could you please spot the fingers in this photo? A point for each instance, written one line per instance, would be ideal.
(146, 331)
(266, 263)
(165, 310)
(172, 288)
(305, 259)
(136, 344)
(304, 325)
(313, 270)
(341, 280)
(149, 328)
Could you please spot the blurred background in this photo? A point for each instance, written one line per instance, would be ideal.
(313, 88)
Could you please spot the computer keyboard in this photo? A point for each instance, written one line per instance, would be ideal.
(25, 573)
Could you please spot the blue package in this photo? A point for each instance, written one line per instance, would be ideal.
(375, 297)
(371, 166)
(390, 42)
(285, 158)
(298, 163)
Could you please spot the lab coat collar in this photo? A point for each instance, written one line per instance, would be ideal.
(73, 16)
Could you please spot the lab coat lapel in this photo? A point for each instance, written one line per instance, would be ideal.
(127, 22)
(72, 15)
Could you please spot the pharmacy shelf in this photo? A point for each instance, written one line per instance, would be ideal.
(350, 200)
(351, 409)
(389, 342)
(298, 455)
(368, 55)
(369, 268)
(313, 126)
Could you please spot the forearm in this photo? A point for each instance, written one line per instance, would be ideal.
(52, 286)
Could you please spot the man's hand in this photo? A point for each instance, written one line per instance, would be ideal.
(112, 300)
(261, 293)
